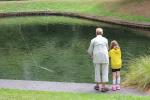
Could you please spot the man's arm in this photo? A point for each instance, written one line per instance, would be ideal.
(107, 45)
(90, 50)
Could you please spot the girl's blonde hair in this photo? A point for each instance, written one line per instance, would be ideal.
(113, 44)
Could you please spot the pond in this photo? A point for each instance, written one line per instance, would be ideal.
(48, 50)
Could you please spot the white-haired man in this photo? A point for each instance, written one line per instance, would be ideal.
(98, 50)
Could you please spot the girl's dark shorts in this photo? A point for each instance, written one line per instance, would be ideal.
(115, 70)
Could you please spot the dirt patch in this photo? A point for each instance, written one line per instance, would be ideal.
(148, 91)
(132, 7)
(136, 8)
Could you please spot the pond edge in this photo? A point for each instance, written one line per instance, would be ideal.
(79, 15)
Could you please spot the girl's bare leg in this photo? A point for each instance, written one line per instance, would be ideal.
(114, 77)
(118, 80)
(114, 74)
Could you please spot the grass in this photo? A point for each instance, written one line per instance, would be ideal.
(139, 73)
(46, 20)
(94, 7)
(6, 94)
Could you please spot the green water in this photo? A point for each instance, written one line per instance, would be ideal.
(58, 52)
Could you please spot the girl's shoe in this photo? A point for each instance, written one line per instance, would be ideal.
(118, 87)
(114, 88)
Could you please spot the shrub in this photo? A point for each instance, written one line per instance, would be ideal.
(139, 73)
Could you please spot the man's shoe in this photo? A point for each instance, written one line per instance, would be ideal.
(96, 87)
(105, 89)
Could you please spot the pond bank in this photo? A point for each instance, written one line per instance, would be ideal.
(78, 15)
(62, 87)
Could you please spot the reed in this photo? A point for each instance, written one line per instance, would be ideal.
(139, 73)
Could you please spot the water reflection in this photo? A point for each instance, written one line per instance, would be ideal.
(57, 52)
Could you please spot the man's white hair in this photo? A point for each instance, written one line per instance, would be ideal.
(99, 31)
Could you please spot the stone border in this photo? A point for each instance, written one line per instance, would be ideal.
(77, 15)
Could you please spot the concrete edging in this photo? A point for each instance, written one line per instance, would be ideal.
(78, 15)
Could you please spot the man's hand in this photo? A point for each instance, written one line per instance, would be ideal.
(91, 57)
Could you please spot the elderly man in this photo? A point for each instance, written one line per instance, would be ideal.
(98, 50)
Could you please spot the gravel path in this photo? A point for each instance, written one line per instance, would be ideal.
(61, 87)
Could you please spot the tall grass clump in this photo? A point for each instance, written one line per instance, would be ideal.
(139, 73)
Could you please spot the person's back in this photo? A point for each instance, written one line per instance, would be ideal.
(116, 63)
(115, 55)
(100, 50)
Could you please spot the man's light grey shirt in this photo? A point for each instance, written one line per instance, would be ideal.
(98, 49)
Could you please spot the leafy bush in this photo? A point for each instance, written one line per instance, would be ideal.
(139, 73)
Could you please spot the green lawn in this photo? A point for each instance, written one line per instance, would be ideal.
(93, 7)
(6, 94)
(46, 20)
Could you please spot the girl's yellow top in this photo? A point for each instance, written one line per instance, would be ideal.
(115, 56)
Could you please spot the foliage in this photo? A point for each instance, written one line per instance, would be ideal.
(139, 73)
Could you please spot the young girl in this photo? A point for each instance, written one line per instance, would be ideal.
(116, 63)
